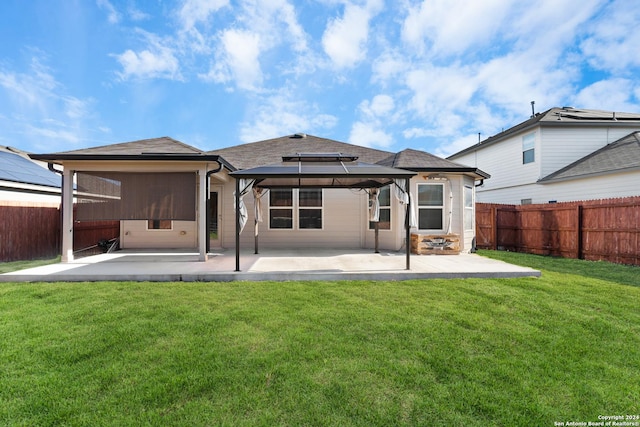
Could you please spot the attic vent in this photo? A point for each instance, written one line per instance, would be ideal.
(299, 135)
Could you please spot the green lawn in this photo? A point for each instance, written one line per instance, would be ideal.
(6, 267)
(509, 352)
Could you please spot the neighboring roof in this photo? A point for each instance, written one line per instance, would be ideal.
(421, 161)
(621, 155)
(560, 116)
(163, 148)
(318, 170)
(271, 151)
(15, 167)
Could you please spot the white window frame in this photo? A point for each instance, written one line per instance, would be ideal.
(528, 146)
(469, 210)
(295, 209)
(431, 207)
(289, 208)
(301, 208)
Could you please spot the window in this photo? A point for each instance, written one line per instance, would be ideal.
(525, 201)
(310, 208)
(468, 208)
(430, 206)
(159, 224)
(281, 208)
(287, 205)
(384, 198)
(528, 148)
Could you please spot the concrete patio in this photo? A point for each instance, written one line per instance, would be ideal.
(271, 264)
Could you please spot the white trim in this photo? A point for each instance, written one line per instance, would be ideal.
(295, 211)
(431, 207)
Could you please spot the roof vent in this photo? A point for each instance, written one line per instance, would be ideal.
(299, 135)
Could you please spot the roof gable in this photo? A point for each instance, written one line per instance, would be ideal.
(162, 145)
(623, 154)
(271, 151)
(421, 161)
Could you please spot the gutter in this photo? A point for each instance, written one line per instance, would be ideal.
(208, 213)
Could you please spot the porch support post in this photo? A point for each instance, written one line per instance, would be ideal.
(255, 234)
(67, 216)
(237, 195)
(376, 226)
(407, 241)
(202, 214)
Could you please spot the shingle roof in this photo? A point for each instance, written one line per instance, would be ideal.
(422, 161)
(163, 148)
(271, 151)
(162, 145)
(621, 155)
(16, 168)
(560, 116)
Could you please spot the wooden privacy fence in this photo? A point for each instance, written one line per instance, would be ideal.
(29, 232)
(32, 231)
(594, 230)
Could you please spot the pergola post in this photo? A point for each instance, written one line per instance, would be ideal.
(255, 235)
(67, 216)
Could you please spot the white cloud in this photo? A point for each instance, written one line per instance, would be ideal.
(113, 15)
(368, 135)
(456, 145)
(613, 95)
(193, 12)
(380, 105)
(451, 27)
(31, 90)
(276, 22)
(438, 89)
(136, 14)
(613, 41)
(344, 39)
(280, 114)
(387, 67)
(512, 81)
(238, 60)
(259, 32)
(157, 61)
(41, 111)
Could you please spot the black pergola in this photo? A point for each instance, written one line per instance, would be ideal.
(322, 170)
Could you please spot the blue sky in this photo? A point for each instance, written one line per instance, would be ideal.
(427, 75)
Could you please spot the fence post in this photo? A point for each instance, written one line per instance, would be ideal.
(494, 226)
(579, 232)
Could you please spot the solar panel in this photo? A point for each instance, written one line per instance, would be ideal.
(18, 169)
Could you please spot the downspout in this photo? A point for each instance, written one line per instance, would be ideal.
(237, 197)
(208, 214)
(54, 170)
(407, 239)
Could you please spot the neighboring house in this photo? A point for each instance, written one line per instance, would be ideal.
(23, 180)
(562, 154)
(171, 195)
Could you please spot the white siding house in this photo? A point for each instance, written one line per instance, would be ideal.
(522, 159)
